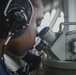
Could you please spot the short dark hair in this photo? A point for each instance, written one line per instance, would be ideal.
(3, 4)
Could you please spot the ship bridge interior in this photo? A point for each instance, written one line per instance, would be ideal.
(58, 40)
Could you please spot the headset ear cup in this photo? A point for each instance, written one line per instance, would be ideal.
(16, 22)
(20, 16)
(15, 17)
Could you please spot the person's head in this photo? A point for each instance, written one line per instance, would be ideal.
(26, 40)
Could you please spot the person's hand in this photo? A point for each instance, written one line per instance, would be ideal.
(33, 60)
(41, 64)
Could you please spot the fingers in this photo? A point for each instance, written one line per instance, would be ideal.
(42, 53)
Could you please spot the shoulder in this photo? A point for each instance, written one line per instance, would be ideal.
(2, 70)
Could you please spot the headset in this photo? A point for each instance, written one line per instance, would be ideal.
(15, 17)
